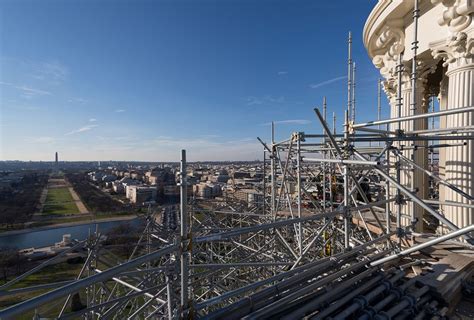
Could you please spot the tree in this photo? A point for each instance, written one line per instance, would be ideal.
(10, 262)
(123, 238)
(76, 303)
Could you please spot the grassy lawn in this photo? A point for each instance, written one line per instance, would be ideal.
(50, 274)
(55, 273)
(59, 201)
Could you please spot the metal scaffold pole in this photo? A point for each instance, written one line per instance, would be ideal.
(299, 186)
(347, 217)
(185, 240)
(379, 102)
(354, 91)
(264, 182)
(331, 166)
(349, 74)
(324, 182)
(273, 172)
(397, 162)
(413, 102)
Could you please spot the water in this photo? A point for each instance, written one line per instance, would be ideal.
(50, 236)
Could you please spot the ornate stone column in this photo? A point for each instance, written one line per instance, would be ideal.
(458, 161)
(390, 44)
(443, 102)
(457, 53)
(412, 178)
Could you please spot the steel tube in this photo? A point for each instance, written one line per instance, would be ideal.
(257, 297)
(238, 264)
(427, 244)
(411, 138)
(349, 73)
(280, 223)
(34, 288)
(416, 199)
(450, 203)
(41, 266)
(435, 177)
(355, 306)
(405, 302)
(287, 275)
(184, 259)
(414, 117)
(363, 287)
(452, 130)
(343, 161)
(298, 294)
(395, 294)
(36, 302)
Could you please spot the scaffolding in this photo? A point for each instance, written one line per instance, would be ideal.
(327, 220)
(321, 243)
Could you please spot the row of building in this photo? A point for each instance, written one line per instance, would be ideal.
(141, 186)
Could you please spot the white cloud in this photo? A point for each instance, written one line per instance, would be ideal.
(40, 140)
(210, 136)
(22, 107)
(27, 91)
(119, 110)
(200, 149)
(131, 148)
(265, 100)
(77, 100)
(326, 82)
(166, 148)
(82, 129)
(282, 73)
(52, 72)
(92, 120)
(296, 121)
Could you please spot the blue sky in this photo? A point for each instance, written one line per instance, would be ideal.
(140, 80)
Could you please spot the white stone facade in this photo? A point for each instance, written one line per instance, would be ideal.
(445, 69)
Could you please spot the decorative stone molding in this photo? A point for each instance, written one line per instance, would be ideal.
(390, 44)
(457, 15)
(390, 89)
(425, 68)
(422, 71)
(458, 46)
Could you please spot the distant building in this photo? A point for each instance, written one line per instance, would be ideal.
(109, 178)
(251, 196)
(141, 194)
(207, 190)
(222, 176)
(202, 190)
(119, 186)
(159, 176)
(96, 176)
(240, 175)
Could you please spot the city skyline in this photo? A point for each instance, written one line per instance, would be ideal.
(158, 77)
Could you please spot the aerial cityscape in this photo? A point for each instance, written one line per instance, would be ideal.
(236, 159)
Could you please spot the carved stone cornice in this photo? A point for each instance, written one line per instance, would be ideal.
(389, 45)
(390, 89)
(458, 46)
(422, 71)
(457, 14)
